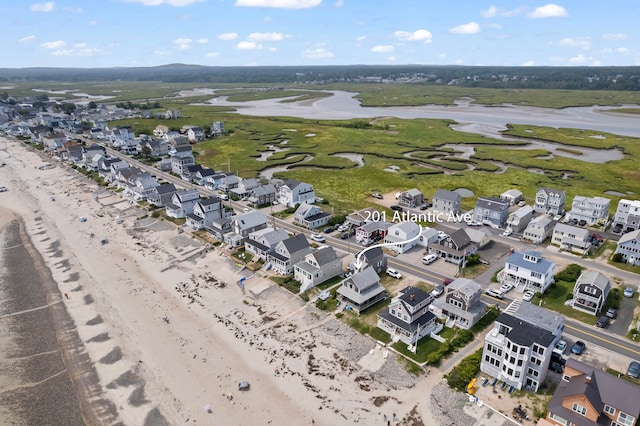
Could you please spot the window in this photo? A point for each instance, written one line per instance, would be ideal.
(558, 419)
(566, 378)
(625, 419)
(609, 409)
(581, 410)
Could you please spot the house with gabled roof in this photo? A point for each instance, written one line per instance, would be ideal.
(162, 194)
(491, 211)
(550, 201)
(519, 219)
(517, 350)
(195, 134)
(408, 318)
(411, 198)
(181, 159)
(228, 182)
(261, 242)
(403, 236)
(182, 203)
(539, 229)
(528, 271)
(200, 176)
(317, 267)
(361, 290)
(572, 238)
(288, 252)
(372, 231)
(590, 209)
(461, 305)
(374, 257)
(590, 292)
(629, 247)
(455, 248)
(244, 187)
(263, 195)
(214, 181)
(189, 171)
(205, 211)
(143, 185)
(310, 216)
(292, 192)
(627, 215)
(590, 396)
(246, 223)
(446, 201)
(360, 217)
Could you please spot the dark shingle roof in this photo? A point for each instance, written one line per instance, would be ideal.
(524, 333)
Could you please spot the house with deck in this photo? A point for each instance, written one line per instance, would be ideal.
(572, 238)
(461, 305)
(491, 211)
(550, 201)
(317, 267)
(411, 198)
(408, 318)
(261, 242)
(287, 253)
(528, 271)
(361, 290)
(539, 229)
(310, 216)
(455, 247)
(403, 236)
(590, 292)
(592, 210)
(182, 203)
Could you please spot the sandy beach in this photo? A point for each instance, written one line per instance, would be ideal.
(128, 366)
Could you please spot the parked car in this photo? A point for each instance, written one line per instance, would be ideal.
(522, 203)
(396, 207)
(3, 189)
(318, 238)
(507, 232)
(377, 195)
(560, 347)
(447, 281)
(345, 236)
(342, 228)
(578, 347)
(556, 367)
(628, 292)
(437, 291)
(556, 357)
(424, 207)
(329, 230)
(603, 322)
(430, 258)
(494, 293)
(506, 288)
(634, 369)
(393, 273)
(528, 295)
(612, 313)
(582, 222)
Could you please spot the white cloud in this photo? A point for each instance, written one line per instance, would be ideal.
(581, 42)
(470, 28)
(80, 45)
(42, 7)
(382, 49)
(248, 45)
(618, 36)
(528, 64)
(182, 43)
(442, 56)
(213, 54)
(202, 41)
(178, 3)
(319, 53)
(391, 58)
(92, 23)
(162, 53)
(361, 38)
(549, 11)
(266, 37)
(27, 39)
(228, 36)
(578, 59)
(279, 4)
(272, 49)
(494, 11)
(418, 35)
(53, 44)
(339, 3)
(73, 9)
(622, 50)
(85, 51)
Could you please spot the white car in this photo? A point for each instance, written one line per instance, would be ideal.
(318, 238)
(560, 347)
(430, 258)
(343, 228)
(507, 232)
(3, 189)
(393, 273)
(442, 235)
(528, 295)
(494, 293)
(506, 288)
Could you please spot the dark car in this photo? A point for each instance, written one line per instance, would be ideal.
(328, 230)
(617, 229)
(554, 366)
(345, 236)
(396, 208)
(574, 221)
(603, 322)
(582, 222)
(423, 207)
(634, 369)
(578, 347)
(557, 358)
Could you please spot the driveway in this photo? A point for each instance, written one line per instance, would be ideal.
(621, 324)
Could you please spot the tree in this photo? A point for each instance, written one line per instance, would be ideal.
(146, 151)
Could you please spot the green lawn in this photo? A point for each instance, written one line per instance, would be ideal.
(426, 346)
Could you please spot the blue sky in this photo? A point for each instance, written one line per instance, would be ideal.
(122, 33)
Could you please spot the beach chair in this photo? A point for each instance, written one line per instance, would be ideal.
(504, 386)
(495, 382)
(485, 382)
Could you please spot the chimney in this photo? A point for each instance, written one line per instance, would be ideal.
(587, 379)
(412, 296)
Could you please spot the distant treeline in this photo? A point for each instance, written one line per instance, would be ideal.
(566, 78)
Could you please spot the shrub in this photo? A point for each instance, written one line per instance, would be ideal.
(618, 257)
(570, 273)
(467, 369)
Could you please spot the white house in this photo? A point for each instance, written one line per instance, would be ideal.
(627, 215)
(517, 350)
(461, 305)
(629, 247)
(539, 229)
(528, 271)
(573, 238)
(399, 235)
(549, 200)
(182, 203)
(310, 216)
(317, 267)
(512, 196)
(408, 318)
(589, 209)
(445, 201)
(292, 192)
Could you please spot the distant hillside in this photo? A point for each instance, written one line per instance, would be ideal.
(565, 78)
